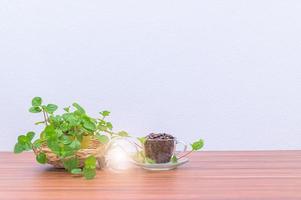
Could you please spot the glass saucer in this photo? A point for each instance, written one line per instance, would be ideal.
(161, 166)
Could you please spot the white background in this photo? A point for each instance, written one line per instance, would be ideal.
(226, 71)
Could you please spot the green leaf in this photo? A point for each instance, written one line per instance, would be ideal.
(105, 113)
(123, 134)
(36, 101)
(18, 148)
(71, 118)
(150, 161)
(197, 145)
(54, 145)
(90, 126)
(24, 142)
(41, 158)
(51, 108)
(67, 109)
(22, 139)
(55, 120)
(90, 162)
(103, 139)
(70, 164)
(142, 139)
(109, 125)
(66, 151)
(50, 132)
(75, 145)
(76, 171)
(37, 143)
(65, 139)
(79, 108)
(89, 173)
(174, 159)
(101, 126)
(35, 109)
(89, 170)
(65, 127)
(59, 132)
(29, 136)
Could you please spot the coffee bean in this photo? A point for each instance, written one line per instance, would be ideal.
(159, 147)
(159, 136)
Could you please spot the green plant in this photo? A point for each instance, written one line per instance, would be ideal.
(67, 133)
(195, 146)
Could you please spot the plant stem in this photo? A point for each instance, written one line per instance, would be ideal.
(34, 150)
(186, 154)
(112, 133)
(134, 143)
(45, 118)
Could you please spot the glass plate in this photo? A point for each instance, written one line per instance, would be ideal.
(161, 166)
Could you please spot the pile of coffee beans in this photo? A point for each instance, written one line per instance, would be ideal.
(159, 136)
(159, 147)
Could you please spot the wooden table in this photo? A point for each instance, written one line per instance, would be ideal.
(225, 175)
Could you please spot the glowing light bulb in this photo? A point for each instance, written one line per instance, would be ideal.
(117, 156)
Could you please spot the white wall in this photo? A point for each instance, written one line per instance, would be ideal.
(226, 71)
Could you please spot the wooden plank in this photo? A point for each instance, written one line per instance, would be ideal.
(241, 175)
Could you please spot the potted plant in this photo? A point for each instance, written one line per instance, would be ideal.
(72, 140)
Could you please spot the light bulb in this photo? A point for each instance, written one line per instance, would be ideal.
(117, 156)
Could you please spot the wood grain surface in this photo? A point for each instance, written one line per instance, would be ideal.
(259, 175)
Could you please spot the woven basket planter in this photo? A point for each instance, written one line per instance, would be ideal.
(95, 148)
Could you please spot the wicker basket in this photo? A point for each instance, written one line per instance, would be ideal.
(95, 148)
